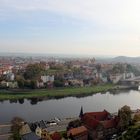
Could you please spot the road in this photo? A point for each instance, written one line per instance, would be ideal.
(5, 131)
(5, 136)
(60, 126)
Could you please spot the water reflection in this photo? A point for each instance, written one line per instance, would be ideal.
(21, 101)
(43, 108)
(34, 101)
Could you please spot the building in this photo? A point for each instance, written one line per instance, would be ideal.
(51, 136)
(79, 133)
(115, 78)
(56, 136)
(100, 125)
(25, 129)
(47, 78)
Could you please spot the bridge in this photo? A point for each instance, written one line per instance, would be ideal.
(135, 81)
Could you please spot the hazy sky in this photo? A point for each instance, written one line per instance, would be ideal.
(98, 27)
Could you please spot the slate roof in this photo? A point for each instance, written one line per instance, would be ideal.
(30, 136)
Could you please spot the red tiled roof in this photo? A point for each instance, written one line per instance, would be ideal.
(77, 131)
(100, 116)
(56, 136)
(93, 119)
(90, 121)
(109, 123)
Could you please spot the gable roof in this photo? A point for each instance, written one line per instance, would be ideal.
(93, 119)
(100, 116)
(25, 129)
(89, 121)
(77, 131)
(109, 123)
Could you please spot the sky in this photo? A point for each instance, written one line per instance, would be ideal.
(85, 27)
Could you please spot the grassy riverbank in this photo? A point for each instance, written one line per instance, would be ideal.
(50, 93)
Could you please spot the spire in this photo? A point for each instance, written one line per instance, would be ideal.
(81, 112)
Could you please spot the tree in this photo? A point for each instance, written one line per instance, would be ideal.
(16, 126)
(74, 124)
(124, 115)
(59, 81)
(33, 71)
(133, 133)
(33, 84)
(20, 81)
(136, 118)
(118, 68)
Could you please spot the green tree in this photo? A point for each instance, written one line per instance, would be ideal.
(59, 83)
(33, 84)
(33, 71)
(118, 68)
(20, 81)
(136, 118)
(124, 115)
(16, 126)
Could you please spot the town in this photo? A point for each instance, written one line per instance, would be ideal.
(69, 70)
(42, 72)
(87, 126)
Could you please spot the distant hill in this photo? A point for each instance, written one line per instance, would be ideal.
(120, 59)
(124, 59)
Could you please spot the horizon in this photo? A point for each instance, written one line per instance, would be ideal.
(22, 54)
(74, 27)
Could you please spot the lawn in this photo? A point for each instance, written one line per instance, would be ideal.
(59, 92)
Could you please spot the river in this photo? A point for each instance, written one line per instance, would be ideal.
(46, 109)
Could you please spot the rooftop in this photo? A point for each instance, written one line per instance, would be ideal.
(77, 131)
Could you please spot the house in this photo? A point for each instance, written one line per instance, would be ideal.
(76, 82)
(56, 136)
(115, 78)
(103, 77)
(50, 136)
(10, 76)
(66, 83)
(128, 75)
(100, 125)
(40, 84)
(42, 124)
(79, 133)
(47, 78)
(25, 129)
(47, 66)
(4, 84)
(12, 84)
(38, 131)
(45, 135)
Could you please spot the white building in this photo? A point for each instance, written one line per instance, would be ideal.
(47, 78)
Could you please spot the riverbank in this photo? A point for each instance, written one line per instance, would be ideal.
(50, 93)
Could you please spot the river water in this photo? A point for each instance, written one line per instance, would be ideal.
(46, 109)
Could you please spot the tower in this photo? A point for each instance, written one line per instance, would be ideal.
(81, 113)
